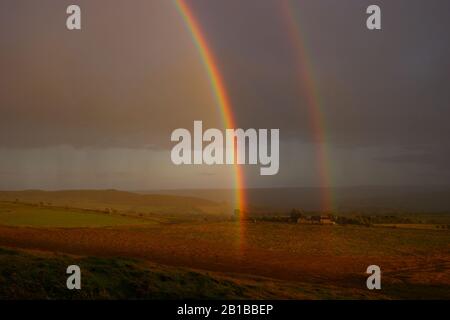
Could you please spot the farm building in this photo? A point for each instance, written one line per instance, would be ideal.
(323, 219)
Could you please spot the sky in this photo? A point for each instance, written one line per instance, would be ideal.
(95, 108)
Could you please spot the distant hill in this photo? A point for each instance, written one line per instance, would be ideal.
(375, 199)
(364, 199)
(119, 200)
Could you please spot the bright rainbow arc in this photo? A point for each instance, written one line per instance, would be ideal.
(313, 102)
(218, 87)
(223, 102)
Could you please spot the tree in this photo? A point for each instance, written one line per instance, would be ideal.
(296, 214)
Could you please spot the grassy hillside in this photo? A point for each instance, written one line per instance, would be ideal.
(109, 200)
(31, 275)
(38, 275)
(22, 215)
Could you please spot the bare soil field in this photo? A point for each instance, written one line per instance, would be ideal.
(415, 263)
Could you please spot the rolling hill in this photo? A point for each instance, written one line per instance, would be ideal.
(113, 200)
(363, 199)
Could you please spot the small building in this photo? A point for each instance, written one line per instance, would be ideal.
(326, 220)
(304, 220)
(323, 220)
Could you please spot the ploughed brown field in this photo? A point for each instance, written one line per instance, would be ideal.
(415, 263)
(335, 256)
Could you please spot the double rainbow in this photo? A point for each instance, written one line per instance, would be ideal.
(310, 90)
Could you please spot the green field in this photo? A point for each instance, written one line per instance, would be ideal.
(119, 201)
(21, 215)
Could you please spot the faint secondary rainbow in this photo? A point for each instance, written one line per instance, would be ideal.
(218, 87)
(313, 100)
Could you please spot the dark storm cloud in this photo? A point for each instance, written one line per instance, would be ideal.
(133, 75)
(126, 80)
(122, 76)
(437, 158)
(377, 88)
